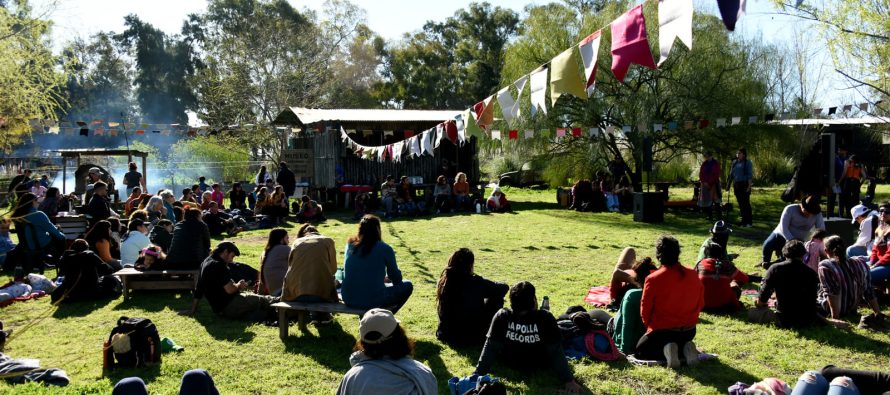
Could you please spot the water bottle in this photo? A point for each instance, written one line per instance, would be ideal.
(478, 208)
(545, 304)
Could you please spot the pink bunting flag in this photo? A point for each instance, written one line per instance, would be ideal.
(629, 43)
(560, 132)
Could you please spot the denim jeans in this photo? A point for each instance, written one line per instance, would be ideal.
(813, 383)
(773, 243)
(397, 295)
(856, 251)
(880, 274)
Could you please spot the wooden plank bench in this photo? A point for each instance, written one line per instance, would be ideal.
(162, 279)
(303, 310)
(73, 226)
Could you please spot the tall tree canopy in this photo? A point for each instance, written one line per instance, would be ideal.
(99, 81)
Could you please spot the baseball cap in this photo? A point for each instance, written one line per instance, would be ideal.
(377, 326)
(721, 227)
(858, 211)
(94, 170)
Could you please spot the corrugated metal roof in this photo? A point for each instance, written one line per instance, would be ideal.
(313, 115)
(838, 121)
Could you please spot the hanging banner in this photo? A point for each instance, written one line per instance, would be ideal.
(539, 90)
(590, 47)
(629, 43)
(674, 21)
(564, 77)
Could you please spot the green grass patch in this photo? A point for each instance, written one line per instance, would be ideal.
(562, 252)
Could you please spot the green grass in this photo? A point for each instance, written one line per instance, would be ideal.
(562, 252)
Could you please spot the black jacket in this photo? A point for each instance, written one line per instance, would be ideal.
(288, 181)
(190, 245)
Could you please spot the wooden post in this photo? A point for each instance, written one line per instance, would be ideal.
(64, 175)
(144, 176)
(282, 323)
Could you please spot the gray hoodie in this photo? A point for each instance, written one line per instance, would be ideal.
(387, 376)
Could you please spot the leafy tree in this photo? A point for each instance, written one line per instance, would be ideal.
(100, 79)
(29, 79)
(450, 64)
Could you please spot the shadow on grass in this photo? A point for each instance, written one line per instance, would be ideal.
(148, 374)
(431, 352)
(422, 267)
(717, 375)
(845, 339)
(330, 348)
(152, 301)
(523, 206)
(224, 329)
(79, 309)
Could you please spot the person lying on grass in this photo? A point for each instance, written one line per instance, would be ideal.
(673, 297)
(466, 301)
(526, 338)
(625, 275)
(225, 295)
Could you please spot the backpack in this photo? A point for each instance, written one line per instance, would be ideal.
(599, 339)
(134, 342)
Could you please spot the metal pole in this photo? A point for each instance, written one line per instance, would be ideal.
(64, 175)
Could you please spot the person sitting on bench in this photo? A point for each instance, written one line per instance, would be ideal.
(466, 301)
(310, 272)
(162, 234)
(190, 243)
(151, 258)
(98, 206)
(371, 276)
(86, 276)
(36, 234)
(133, 243)
(224, 294)
(273, 262)
(103, 244)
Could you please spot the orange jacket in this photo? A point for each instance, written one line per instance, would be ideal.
(672, 298)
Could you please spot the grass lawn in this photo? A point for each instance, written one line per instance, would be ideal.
(562, 252)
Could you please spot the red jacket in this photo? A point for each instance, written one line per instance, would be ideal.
(717, 281)
(672, 298)
(709, 172)
(880, 254)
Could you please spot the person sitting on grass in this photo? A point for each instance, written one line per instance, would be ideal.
(273, 262)
(156, 209)
(795, 286)
(383, 360)
(442, 196)
(190, 244)
(466, 301)
(845, 282)
(205, 200)
(796, 223)
(625, 275)
(722, 281)
(879, 260)
(720, 236)
(461, 191)
(526, 338)
(162, 234)
(6, 243)
(86, 277)
(136, 240)
(194, 382)
(405, 192)
(497, 202)
(371, 276)
(868, 221)
(237, 197)
(310, 211)
(188, 199)
(197, 193)
(218, 221)
(167, 199)
(150, 258)
(100, 240)
(310, 271)
(627, 326)
(225, 295)
(217, 195)
(672, 299)
(582, 196)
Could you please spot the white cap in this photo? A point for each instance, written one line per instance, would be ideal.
(858, 211)
(377, 326)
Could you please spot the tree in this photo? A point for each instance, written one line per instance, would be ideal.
(450, 64)
(30, 82)
(100, 79)
(857, 35)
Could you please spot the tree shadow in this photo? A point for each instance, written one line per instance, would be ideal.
(532, 248)
(331, 347)
(423, 268)
(80, 308)
(716, 374)
(845, 339)
(523, 206)
(225, 329)
(431, 353)
(153, 303)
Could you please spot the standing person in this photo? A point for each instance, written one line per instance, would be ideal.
(237, 197)
(851, 183)
(371, 276)
(18, 181)
(526, 338)
(133, 179)
(311, 267)
(383, 360)
(202, 184)
(796, 223)
(466, 301)
(191, 242)
(709, 177)
(273, 262)
(834, 194)
(879, 260)
(461, 192)
(795, 286)
(286, 179)
(262, 176)
(134, 242)
(845, 282)
(868, 221)
(673, 297)
(741, 176)
(388, 195)
(225, 295)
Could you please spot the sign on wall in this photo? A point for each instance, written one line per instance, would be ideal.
(300, 161)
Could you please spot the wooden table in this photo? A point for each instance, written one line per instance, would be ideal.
(161, 279)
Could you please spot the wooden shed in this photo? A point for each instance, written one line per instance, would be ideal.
(319, 157)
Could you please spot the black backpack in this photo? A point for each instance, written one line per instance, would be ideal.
(134, 342)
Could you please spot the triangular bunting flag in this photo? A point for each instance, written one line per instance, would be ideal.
(495, 134)
(508, 105)
(513, 134)
(848, 107)
(593, 132)
(736, 120)
(703, 123)
(484, 112)
(529, 134)
(674, 21)
(472, 129)
(590, 47)
(564, 77)
(863, 107)
(629, 43)
(560, 132)
(832, 110)
(576, 132)
(817, 112)
(731, 11)
(657, 127)
(672, 125)
(539, 90)
(520, 86)
(721, 122)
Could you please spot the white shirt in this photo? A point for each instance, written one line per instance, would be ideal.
(131, 247)
(866, 232)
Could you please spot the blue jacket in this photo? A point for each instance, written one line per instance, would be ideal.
(363, 282)
(170, 214)
(46, 231)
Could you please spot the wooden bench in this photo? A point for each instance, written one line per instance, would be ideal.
(303, 310)
(162, 279)
(73, 226)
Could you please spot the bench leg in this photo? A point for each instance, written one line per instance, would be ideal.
(303, 320)
(282, 324)
(126, 285)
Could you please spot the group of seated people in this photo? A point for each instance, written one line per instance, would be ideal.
(603, 194)
(400, 199)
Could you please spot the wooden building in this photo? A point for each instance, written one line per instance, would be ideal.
(319, 157)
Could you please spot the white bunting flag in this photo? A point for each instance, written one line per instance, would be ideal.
(529, 134)
(426, 141)
(495, 134)
(520, 87)
(509, 107)
(590, 47)
(397, 151)
(388, 133)
(440, 133)
(752, 120)
(593, 132)
(624, 130)
(721, 122)
(674, 21)
(539, 90)
(343, 136)
(658, 127)
(415, 146)
(736, 120)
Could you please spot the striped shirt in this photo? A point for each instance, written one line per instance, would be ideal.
(851, 282)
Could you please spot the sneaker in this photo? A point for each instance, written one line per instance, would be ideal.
(871, 322)
(690, 353)
(671, 355)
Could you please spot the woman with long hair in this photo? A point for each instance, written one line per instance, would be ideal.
(35, 231)
(273, 262)
(845, 282)
(50, 203)
(156, 209)
(205, 200)
(466, 301)
(277, 208)
(371, 276)
(103, 244)
(461, 191)
(262, 176)
(383, 360)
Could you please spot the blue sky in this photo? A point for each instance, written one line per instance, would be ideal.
(392, 18)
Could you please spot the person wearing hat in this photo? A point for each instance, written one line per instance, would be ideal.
(709, 177)
(133, 243)
(722, 280)
(879, 260)
(741, 175)
(719, 235)
(796, 223)
(224, 294)
(383, 362)
(868, 221)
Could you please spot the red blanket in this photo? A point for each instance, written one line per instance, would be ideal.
(598, 296)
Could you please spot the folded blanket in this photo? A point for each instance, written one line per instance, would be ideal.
(598, 296)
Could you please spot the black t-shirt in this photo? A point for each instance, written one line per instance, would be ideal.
(98, 208)
(131, 179)
(795, 285)
(464, 316)
(525, 336)
(214, 276)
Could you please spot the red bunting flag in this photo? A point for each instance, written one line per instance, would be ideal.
(629, 43)
(140, 131)
(451, 131)
(409, 133)
(589, 47)
(703, 123)
(513, 135)
(576, 132)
